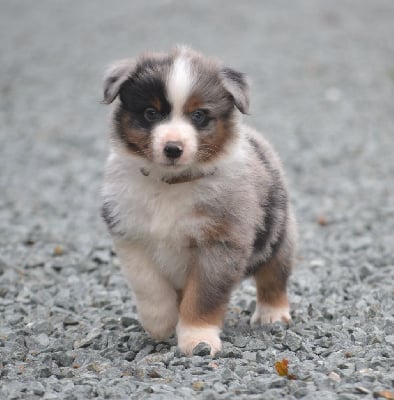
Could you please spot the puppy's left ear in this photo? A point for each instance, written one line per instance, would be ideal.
(237, 85)
(116, 74)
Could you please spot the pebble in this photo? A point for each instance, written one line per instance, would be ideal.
(202, 349)
(128, 321)
(389, 339)
(334, 376)
(292, 341)
(89, 339)
(63, 359)
(144, 352)
(230, 351)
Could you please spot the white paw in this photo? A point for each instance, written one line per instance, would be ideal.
(265, 314)
(160, 330)
(159, 320)
(190, 336)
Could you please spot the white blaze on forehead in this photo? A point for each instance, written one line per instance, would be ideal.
(179, 84)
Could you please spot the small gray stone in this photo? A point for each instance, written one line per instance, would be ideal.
(63, 359)
(389, 339)
(44, 372)
(38, 389)
(144, 352)
(256, 344)
(128, 321)
(202, 349)
(292, 341)
(130, 356)
(70, 321)
(42, 339)
(240, 341)
(249, 355)
(93, 335)
(227, 374)
(274, 394)
(229, 351)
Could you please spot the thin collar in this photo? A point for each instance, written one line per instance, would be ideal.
(186, 178)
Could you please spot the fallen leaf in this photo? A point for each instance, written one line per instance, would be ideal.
(321, 220)
(282, 368)
(385, 394)
(198, 386)
(58, 251)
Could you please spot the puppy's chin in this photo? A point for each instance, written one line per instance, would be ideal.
(174, 168)
(178, 165)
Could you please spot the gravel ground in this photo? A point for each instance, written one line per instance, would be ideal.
(323, 92)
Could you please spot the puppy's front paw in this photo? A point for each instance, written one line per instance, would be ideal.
(190, 336)
(160, 330)
(158, 319)
(265, 314)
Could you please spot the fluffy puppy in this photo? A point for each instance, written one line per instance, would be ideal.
(194, 199)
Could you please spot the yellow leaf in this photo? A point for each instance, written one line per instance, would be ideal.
(282, 367)
(58, 251)
(386, 394)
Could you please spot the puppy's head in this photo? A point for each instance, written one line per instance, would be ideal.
(176, 109)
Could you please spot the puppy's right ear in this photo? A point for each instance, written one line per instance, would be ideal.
(116, 74)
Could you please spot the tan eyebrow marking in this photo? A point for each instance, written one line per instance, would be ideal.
(193, 103)
(156, 103)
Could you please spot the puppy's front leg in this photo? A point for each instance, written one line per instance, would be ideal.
(156, 299)
(214, 271)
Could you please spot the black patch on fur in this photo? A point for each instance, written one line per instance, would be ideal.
(110, 218)
(277, 200)
(137, 94)
(144, 86)
(258, 151)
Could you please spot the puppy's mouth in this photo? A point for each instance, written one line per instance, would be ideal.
(174, 165)
(171, 163)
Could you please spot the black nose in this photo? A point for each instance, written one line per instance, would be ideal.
(173, 149)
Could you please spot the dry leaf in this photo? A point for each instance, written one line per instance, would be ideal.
(198, 386)
(282, 368)
(58, 251)
(321, 220)
(385, 394)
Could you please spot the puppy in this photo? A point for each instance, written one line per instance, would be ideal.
(194, 199)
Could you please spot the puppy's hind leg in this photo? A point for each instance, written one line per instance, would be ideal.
(157, 302)
(272, 303)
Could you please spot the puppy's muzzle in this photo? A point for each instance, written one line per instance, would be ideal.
(173, 150)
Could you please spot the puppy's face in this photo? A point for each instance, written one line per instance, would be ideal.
(175, 110)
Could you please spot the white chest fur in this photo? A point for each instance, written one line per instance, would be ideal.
(158, 215)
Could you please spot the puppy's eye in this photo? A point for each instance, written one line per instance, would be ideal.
(152, 115)
(198, 117)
